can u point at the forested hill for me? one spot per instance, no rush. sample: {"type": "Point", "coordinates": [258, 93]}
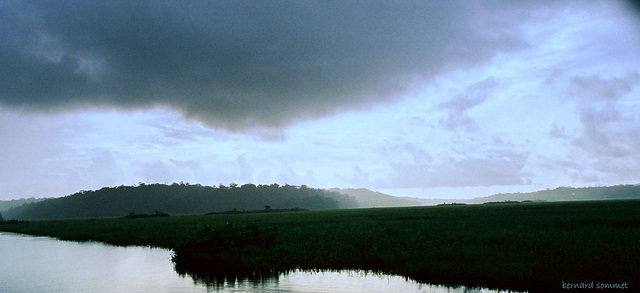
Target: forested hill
{"type": "Point", "coordinates": [7, 204]}
{"type": "Point", "coordinates": [179, 199]}
{"type": "Point", "coordinates": [369, 199]}
{"type": "Point", "coordinates": [568, 194]}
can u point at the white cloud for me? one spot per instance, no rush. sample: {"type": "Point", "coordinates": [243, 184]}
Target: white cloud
{"type": "Point", "coordinates": [104, 170]}
{"type": "Point", "coordinates": [457, 117]}
{"type": "Point", "coordinates": [609, 128]}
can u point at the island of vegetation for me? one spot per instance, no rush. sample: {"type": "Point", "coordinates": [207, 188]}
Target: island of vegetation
{"type": "Point", "coordinates": [156, 214]}
{"type": "Point", "coordinates": [532, 246]}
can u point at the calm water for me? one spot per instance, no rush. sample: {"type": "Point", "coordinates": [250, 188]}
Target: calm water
{"type": "Point", "coordinates": [42, 264]}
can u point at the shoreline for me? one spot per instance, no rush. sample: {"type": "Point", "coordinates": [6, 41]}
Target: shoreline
{"type": "Point", "coordinates": [527, 246]}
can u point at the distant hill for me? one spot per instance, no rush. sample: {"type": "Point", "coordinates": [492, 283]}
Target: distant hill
{"type": "Point", "coordinates": [7, 204]}
{"type": "Point", "coordinates": [567, 194]}
{"type": "Point", "coordinates": [179, 199]}
{"type": "Point", "coordinates": [368, 199]}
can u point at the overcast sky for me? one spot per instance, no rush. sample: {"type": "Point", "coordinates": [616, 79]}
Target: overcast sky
{"type": "Point", "coordinates": [435, 99]}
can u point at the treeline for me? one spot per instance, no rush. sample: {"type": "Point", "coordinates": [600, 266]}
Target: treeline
{"type": "Point", "coordinates": [178, 199]}
{"type": "Point", "coordinates": [568, 194]}
{"type": "Point", "coordinates": [369, 199]}
{"type": "Point", "coordinates": [7, 204]}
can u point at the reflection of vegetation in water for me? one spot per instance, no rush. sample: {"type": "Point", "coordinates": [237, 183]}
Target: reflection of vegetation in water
{"type": "Point", "coordinates": [220, 281]}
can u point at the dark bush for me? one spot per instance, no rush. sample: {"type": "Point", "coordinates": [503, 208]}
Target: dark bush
{"type": "Point", "coordinates": [227, 250]}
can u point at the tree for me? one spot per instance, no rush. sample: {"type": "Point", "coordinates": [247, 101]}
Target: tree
{"type": "Point", "coordinates": [179, 199]}
{"type": "Point", "coordinates": [1, 219]}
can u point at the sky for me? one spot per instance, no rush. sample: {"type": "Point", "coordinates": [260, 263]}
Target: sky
{"type": "Point", "coordinates": [432, 99]}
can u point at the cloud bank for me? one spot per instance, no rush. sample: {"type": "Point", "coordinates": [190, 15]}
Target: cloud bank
{"type": "Point", "coordinates": [239, 65]}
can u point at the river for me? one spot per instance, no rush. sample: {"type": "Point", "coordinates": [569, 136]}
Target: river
{"type": "Point", "coordinates": [43, 264]}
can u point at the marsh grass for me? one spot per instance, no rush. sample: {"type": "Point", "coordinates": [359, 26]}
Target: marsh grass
{"type": "Point", "coordinates": [526, 246]}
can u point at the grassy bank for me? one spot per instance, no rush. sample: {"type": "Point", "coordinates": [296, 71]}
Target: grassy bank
{"type": "Point", "coordinates": [527, 246]}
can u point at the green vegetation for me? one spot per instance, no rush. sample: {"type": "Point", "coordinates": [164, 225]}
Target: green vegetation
{"type": "Point", "coordinates": [267, 209]}
{"type": "Point", "coordinates": [525, 246]}
{"type": "Point", "coordinates": [452, 204]}
{"type": "Point", "coordinates": [179, 199]}
{"type": "Point", "coordinates": [156, 214]}
{"type": "Point", "coordinates": [228, 250]}
{"type": "Point", "coordinates": [568, 194]}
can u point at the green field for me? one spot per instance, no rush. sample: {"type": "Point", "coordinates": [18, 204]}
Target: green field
{"type": "Point", "coordinates": [526, 246]}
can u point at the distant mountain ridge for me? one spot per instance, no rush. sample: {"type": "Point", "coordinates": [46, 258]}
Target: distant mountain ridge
{"type": "Point", "coordinates": [179, 199]}
{"type": "Point", "coordinates": [7, 204]}
{"type": "Point", "coordinates": [368, 199]}
{"type": "Point", "coordinates": [196, 199]}
{"type": "Point", "coordinates": [566, 194]}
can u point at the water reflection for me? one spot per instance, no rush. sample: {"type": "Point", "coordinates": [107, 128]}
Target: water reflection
{"type": "Point", "coordinates": [42, 264]}
{"type": "Point", "coordinates": [218, 280]}
{"type": "Point", "coordinates": [326, 281]}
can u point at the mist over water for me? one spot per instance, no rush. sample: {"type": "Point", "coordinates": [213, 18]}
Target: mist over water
{"type": "Point", "coordinates": [43, 264]}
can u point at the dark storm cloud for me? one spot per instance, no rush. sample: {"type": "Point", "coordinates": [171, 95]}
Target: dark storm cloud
{"type": "Point", "coordinates": [240, 64]}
